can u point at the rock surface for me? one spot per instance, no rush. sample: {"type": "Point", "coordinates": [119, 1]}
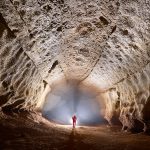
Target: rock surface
{"type": "Point", "coordinates": [99, 43]}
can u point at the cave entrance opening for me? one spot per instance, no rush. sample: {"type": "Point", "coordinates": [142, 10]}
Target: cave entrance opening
{"type": "Point", "coordinates": [67, 100]}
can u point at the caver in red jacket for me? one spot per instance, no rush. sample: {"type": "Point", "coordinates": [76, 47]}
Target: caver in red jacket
{"type": "Point", "coordinates": [74, 119]}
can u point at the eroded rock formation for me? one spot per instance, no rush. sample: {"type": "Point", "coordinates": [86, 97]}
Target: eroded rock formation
{"type": "Point", "coordinates": [99, 43]}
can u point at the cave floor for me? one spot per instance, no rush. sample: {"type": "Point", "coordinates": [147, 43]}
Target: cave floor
{"type": "Point", "coordinates": [34, 133]}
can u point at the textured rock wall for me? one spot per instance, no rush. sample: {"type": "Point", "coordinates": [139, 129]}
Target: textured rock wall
{"type": "Point", "coordinates": [126, 51]}
{"type": "Point", "coordinates": [111, 106]}
{"type": "Point", "coordinates": [20, 82]}
{"type": "Point", "coordinates": [129, 101]}
{"type": "Point", "coordinates": [31, 21]}
{"type": "Point", "coordinates": [101, 43]}
{"type": "Point", "coordinates": [135, 99]}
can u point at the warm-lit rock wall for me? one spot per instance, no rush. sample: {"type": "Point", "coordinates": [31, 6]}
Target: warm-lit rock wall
{"type": "Point", "coordinates": [20, 82]}
{"type": "Point", "coordinates": [135, 98]}
{"type": "Point", "coordinates": [101, 43]}
{"type": "Point", "coordinates": [129, 101]}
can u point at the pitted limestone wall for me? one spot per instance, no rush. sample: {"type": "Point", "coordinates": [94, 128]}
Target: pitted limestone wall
{"type": "Point", "coordinates": [104, 43]}
{"type": "Point", "coordinates": [129, 100]}
{"type": "Point", "coordinates": [134, 98]}
{"type": "Point", "coordinates": [20, 82]}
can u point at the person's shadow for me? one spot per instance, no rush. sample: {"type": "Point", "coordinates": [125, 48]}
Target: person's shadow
{"type": "Point", "coordinates": [75, 141]}
{"type": "Point", "coordinates": [71, 141]}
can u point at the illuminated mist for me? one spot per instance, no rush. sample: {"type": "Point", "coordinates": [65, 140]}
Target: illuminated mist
{"type": "Point", "coordinates": [65, 101]}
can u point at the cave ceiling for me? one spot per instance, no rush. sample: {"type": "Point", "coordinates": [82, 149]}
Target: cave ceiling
{"type": "Point", "coordinates": [100, 43]}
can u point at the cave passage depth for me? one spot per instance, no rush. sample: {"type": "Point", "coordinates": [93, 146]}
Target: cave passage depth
{"type": "Point", "coordinates": [89, 58]}
{"type": "Point", "coordinates": [66, 100]}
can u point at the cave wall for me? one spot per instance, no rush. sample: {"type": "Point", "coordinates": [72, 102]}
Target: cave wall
{"type": "Point", "coordinates": [99, 43]}
{"type": "Point", "coordinates": [20, 82]}
{"type": "Point", "coordinates": [129, 101]}
{"type": "Point", "coordinates": [126, 51]}
{"type": "Point", "coordinates": [134, 96]}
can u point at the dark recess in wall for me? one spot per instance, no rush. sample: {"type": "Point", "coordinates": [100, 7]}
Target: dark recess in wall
{"type": "Point", "coordinates": [4, 25]}
{"type": "Point", "coordinates": [53, 66]}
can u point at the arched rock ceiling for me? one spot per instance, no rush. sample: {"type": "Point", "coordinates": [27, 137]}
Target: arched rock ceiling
{"type": "Point", "coordinates": [96, 41]}
{"type": "Point", "coordinates": [103, 43]}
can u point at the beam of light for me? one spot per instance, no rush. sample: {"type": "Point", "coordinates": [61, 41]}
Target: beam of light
{"type": "Point", "coordinates": [63, 102]}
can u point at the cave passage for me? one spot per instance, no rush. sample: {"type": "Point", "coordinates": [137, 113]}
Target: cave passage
{"type": "Point", "coordinates": [65, 101]}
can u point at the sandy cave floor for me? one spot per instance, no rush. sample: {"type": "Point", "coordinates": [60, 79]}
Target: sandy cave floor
{"type": "Point", "coordinates": [19, 133]}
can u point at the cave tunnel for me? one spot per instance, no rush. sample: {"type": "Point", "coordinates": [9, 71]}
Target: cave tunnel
{"type": "Point", "coordinates": [70, 99]}
{"type": "Point", "coordinates": [60, 58]}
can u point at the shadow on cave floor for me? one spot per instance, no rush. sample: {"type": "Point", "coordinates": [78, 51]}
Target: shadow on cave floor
{"type": "Point", "coordinates": [32, 132]}
{"type": "Point", "coordinates": [75, 142]}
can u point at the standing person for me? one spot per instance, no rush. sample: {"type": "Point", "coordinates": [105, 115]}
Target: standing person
{"type": "Point", "coordinates": [74, 119]}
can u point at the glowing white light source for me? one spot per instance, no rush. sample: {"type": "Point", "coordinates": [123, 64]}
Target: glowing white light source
{"type": "Point", "coordinates": [70, 121]}
{"type": "Point", "coordinates": [65, 101]}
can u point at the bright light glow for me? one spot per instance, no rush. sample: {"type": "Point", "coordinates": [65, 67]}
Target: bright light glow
{"type": "Point", "coordinates": [71, 122]}
{"type": "Point", "coordinates": [65, 101]}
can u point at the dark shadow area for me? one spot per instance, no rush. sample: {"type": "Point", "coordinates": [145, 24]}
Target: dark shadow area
{"type": "Point", "coordinates": [53, 66]}
{"type": "Point", "coordinates": [138, 127]}
{"type": "Point", "coordinates": [75, 141]}
{"type": "Point", "coordinates": [70, 143]}
{"type": "Point", "coordinates": [139, 124]}
{"type": "Point", "coordinates": [146, 111]}
{"type": "Point", "coordinates": [115, 119]}
{"type": "Point", "coordinates": [146, 115]}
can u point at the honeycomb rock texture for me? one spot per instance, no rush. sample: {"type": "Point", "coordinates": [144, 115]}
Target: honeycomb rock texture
{"type": "Point", "coordinates": [100, 43]}
{"type": "Point", "coordinates": [20, 84]}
